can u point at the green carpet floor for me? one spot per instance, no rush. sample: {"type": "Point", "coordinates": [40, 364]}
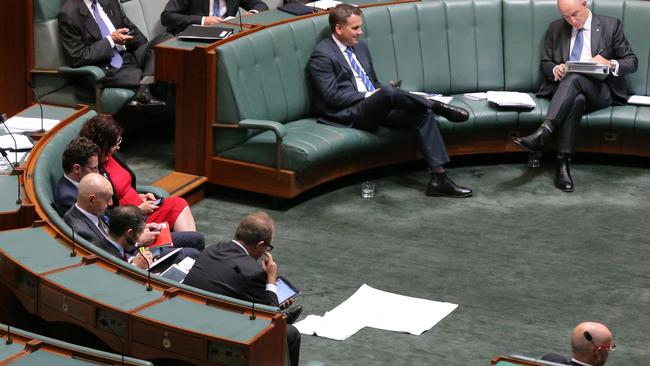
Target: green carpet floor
{"type": "Point", "coordinates": [524, 261]}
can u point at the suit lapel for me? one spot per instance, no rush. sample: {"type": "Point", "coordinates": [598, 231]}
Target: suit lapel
{"type": "Point", "coordinates": [89, 20]}
{"type": "Point", "coordinates": [340, 57]}
{"type": "Point", "coordinates": [596, 35]}
{"type": "Point", "coordinates": [206, 7]}
{"type": "Point", "coordinates": [566, 41]}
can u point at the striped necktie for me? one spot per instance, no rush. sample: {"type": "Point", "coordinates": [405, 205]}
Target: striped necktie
{"type": "Point", "coordinates": [359, 70]}
{"type": "Point", "coordinates": [116, 59]}
{"type": "Point", "coordinates": [217, 8]}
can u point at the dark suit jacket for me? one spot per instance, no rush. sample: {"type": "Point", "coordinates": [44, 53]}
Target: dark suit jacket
{"type": "Point", "coordinates": [226, 269]}
{"type": "Point", "coordinates": [180, 14]}
{"type": "Point", "coordinates": [554, 357]}
{"type": "Point", "coordinates": [81, 38]}
{"type": "Point", "coordinates": [606, 35]}
{"type": "Point", "coordinates": [65, 195]}
{"type": "Point", "coordinates": [86, 229]}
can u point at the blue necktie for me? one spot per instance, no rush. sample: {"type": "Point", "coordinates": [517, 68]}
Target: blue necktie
{"type": "Point", "coordinates": [577, 47]}
{"type": "Point", "coordinates": [116, 59]}
{"type": "Point", "coordinates": [357, 68]}
{"type": "Point", "coordinates": [217, 8]}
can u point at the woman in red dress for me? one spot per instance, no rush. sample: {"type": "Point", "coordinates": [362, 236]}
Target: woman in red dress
{"type": "Point", "coordinates": [107, 134]}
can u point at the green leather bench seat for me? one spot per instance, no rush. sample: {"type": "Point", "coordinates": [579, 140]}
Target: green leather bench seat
{"type": "Point", "coordinates": [449, 47]}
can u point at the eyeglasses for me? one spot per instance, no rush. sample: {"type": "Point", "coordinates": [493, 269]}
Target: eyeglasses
{"type": "Point", "coordinates": [269, 247]}
{"type": "Point", "coordinates": [609, 347]}
{"type": "Point", "coordinates": [93, 169]}
{"type": "Point", "coordinates": [117, 144]}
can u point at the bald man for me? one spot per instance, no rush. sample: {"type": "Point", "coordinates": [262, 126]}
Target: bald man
{"type": "Point", "coordinates": [87, 217]}
{"type": "Point", "coordinates": [579, 36]}
{"type": "Point", "coordinates": [591, 344]}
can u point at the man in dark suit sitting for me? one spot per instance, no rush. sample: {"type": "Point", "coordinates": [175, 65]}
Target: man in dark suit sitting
{"type": "Point", "coordinates": [591, 344]}
{"type": "Point", "coordinates": [98, 33]}
{"type": "Point", "coordinates": [87, 217]}
{"type": "Point", "coordinates": [80, 157]}
{"type": "Point", "coordinates": [243, 268]}
{"type": "Point", "coordinates": [580, 36]}
{"type": "Point", "coordinates": [180, 14]}
{"type": "Point", "coordinates": [348, 94]}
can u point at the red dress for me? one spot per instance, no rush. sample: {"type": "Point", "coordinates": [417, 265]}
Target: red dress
{"type": "Point", "coordinates": [169, 210]}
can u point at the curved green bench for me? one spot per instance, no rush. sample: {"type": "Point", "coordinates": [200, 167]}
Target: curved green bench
{"type": "Point", "coordinates": [267, 140]}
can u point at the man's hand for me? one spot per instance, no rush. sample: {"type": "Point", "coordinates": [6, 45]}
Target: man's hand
{"type": "Point", "coordinates": [601, 60]}
{"type": "Point", "coordinates": [212, 20]}
{"type": "Point", "coordinates": [271, 269]}
{"type": "Point", "coordinates": [558, 72]}
{"type": "Point", "coordinates": [286, 304]}
{"type": "Point", "coordinates": [147, 207]}
{"type": "Point", "coordinates": [120, 36]}
{"type": "Point", "coordinates": [148, 236]}
{"type": "Point", "coordinates": [147, 196]}
{"type": "Point", "coordinates": [143, 261]}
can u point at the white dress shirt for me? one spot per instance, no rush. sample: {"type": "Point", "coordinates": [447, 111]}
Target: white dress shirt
{"type": "Point", "coordinates": [357, 78]}
{"type": "Point", "coordinates": [109, 24]}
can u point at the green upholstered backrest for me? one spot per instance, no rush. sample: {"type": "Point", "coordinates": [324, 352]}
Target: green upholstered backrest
{"type": "Point", "coordinates": [46, 9]}
{"type": "Point", "coordinates": [145, 14]}
{"type": "Point", "coordinates": [449, 46]}
{"type": "Point", "coordinates": [635, 16]}
{"type": "Point", "coordinates": [262, 76]}
{"type": "Point", "coordinates": [524, 27]}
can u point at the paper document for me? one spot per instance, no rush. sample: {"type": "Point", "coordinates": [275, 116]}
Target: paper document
{"type": "Point", "coordinates": [475, 96]}
{"type": "Point", "coordinates": [18, 124]}
{"type": "Point", "coordinates": [369, 307]}
{"type": "Point", "coordinates": [639, 99]}
{"type": "Point", "coordinates": [17, 157]}
{"type": "Point", "coordinates": [511, 99]}
{"type": "Point", "coordinates": [439, 97]}
{"type": "Point", "coordinates": [324, 4]}
{"type": "Point", "coordinates": [22, 142]}
{"type": "Point", "coordinates": [589, 68]}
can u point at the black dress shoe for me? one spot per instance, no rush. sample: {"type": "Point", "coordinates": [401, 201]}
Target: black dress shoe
{"type": "Point", "coordinates": [453, 114]}
{"type": "Point", "coordinates": [563, 178]}
{"type": "Point", "coordinates": [535, 141]}
{"type": "Point", "coordinates": [293, 313]}
{"type": "Point", "coordinates": [441, 185]}
{"type": "Point", "coordinates": [144, 98]}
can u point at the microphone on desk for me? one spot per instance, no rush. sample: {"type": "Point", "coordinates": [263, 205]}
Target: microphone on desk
{"type": "Point", "coordinates": [149, 288]}
{"type": "Point", "coordinates": [241, 277]}
{"type": "Point", "coordinates": [3, 119]}
{"type": "Point", "coordinates": [241, 28]}
{"type": "Point", "coordinates": [74, 249]}
{"type": "Point", "coordinates": [38, 101]}
{"type": "Point", "coordinates": [9, 341]}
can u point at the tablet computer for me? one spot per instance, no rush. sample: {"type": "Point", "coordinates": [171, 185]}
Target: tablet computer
{"type": "Point", "coordinates": [286, 290]}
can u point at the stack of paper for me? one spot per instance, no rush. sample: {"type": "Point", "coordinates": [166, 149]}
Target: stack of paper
{"type": "Point", "coordinates": [511, 99]}
{"type": "Point", "coordinates": [22, 142]}
{"type": "Point", "coordinates": [639, 99]}
{"type": "Point", "coordinates": [475, 96]}
{"type": "Point", "coordinates": [18, 124]}
{"type": "Point", "coordinates": [369, 307]}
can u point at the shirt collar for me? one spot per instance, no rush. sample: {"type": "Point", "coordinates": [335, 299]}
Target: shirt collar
{"type": "Point", "coordinates": [580, 362]}
{"type": "Point", "coordinates": [76, 184]}
{"type": "Point", "coordinates": [341, 46]}
{"type": "Point", "coordinates": [92, 217]}
{"type": "Point", "coordinates": [241, 246]}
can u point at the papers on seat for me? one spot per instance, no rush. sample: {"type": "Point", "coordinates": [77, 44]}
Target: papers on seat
{"type": "Point", "coordinates": [439, 97]}
{"type": "Point", "coordinates": [324, 4]}
{"type": "Point", "coordinates": [476, 96]}
{"type": "Point", "coordinates": [639, 99]}
{"type": "Point", "coordinates": [589, 68]}
{"type": "Point", "coordinates": [17, 124]}
{"type": "Point", "coordinates": [22, 142]}
{"type": "Point", "coordinates": [369, 307]}
{"type": "Point", "coordinates": [510, 99]}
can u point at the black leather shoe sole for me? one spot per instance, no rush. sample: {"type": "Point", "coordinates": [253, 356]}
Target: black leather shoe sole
{"type": "Point", "coordinates": [523, 145]}
{"type": "Point", "coordinates": [433, 193]}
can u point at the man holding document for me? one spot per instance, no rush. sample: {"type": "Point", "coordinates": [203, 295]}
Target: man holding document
{"type": "Point", "coordinates": [580, 36]}
{"type": "Point", "coordinates": [348, 94]}
{"type": "Point", "coordinates": [180, 14]}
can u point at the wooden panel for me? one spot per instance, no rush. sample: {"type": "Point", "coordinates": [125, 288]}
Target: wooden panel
{"type": "Point", "coordinates": [15, 54]}
{"type": "Point", "coordinates": [52, 300]}
{"type": "Point", "coordinates": [152, 335]}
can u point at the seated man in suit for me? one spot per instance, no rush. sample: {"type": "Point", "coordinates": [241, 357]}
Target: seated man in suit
{"type": "Point", "coordinates": [591, 344]}
{"type": "Point", "coordinates": [348, 94]}
{"type": "Point", "coordinates": [87, 217]}
{"type": "Point", "coordinates": [243, 268]}
{"type": "Point", "coordinates": [580, 36]}
{"type": "Point", "coordinates": [80, 157]}
{"type": "Point", "coordinates": [180, 14]}
{"type": "Point", "coordinates": [125, 227]}
{"type": "Point", "coordinates": [98, 33]}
